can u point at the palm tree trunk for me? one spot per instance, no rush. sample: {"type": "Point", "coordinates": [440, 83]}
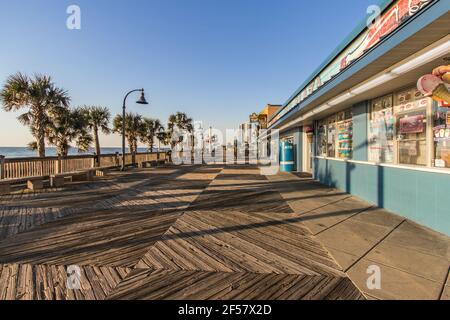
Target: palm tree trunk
{"type": "Point", "coordinates": [97, 142]}
{"type": "Point", "coordinates": [152, 142]}
{"type": "Point", "coordinates": [41, 142]}
{"type": "Point", "coordinates": [130, 147]}
{"type": "Point", "coordinates": [66, 151]}
{"type": "Point", "coordinates": [132, 143]}
{"type": "Point", "coordinates": [60, 150]}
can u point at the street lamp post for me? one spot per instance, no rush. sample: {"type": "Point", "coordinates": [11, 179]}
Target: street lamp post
{"type": "Point", "coordinates": [202, 137]}
{"type": "Point", "coordinates": [161, 134]}
{"type": "Point", "coordinates": [210, 139]}
{"type": "Point", "coordinates": [141, 100]}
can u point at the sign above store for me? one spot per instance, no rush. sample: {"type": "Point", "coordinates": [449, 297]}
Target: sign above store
{"type": "Point", "coordinates": [309, 129]}
{"type": "Point", "coordinates": [254, 118]}
{"type": "Point", "coordinates": [389, 21]}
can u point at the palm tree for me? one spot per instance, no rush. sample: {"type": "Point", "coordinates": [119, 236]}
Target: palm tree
{"type": "Point", "coordinates": [69, 126]}
{"type": "Point", "coordinates": [42, 99]}
{"type": "Point", "coordinates": [181, 122]}
{"type": "Point", "coordinates": [162, 136]}
{"type": "Point", "coordinates": [149, 129]}
{"type": "Point", "coordinates": [171, 127]}
{"type": "Point", "coordinates": [97, 120]}
{"type": "Point", "coordinates": [177, 125]}
{"type": "Point", "coordinates": [133, 128]}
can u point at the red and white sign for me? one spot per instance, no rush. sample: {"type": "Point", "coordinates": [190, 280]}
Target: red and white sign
{"type": "Point", "coordinates": [389, 21]}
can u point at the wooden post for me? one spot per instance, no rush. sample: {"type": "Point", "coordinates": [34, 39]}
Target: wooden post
{"type": "Point", "coordinates": [94, 162]}
{"type": "Point", "coordinates": [181, 155]}
{"type": "Point", "coordinates": [2, 167]}
{"type": "Point", "coordinates": [235, 151]}
{"type": "Point", "coordinates": [133, 158]}
{"type": "Point", "coordinates": [192, 138]}
{"type": "Point", "coordinates": [247, 153]}
{"type": "Point", "coordinates": [117, 160]}
{"type": "Point", "coordinates": [41, 162]}
{"type": "Point", "coordinates": [58, 167]}
{"type": "Point", "coordinates": [224, 154]}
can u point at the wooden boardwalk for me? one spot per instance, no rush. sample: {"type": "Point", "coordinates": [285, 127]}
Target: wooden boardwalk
{"type": "Point", "coordinates": [168, 233]}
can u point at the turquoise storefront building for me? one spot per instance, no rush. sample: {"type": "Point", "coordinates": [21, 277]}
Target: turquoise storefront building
{"type": "Point", "coordinates": [360, 122]}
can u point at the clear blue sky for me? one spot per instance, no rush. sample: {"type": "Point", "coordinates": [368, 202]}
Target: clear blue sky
{"type": "Point", "coordinates": [217, 60]}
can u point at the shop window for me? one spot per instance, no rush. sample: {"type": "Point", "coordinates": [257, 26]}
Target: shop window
{"type": "Point", "coordinates": [335, 136]}
{"type": "Point", "coordinates": [381, 130]}
{"type": "Point", "coordinates": [331, 137]}
{"type": "Point", "coordinates": [410, 108]}
{"type": "Point", "coordinates": [322, 139]}
{"type": "Point", "coordinates": [344, 127]}
{"type": "Point", "coordinates": [441, 134]}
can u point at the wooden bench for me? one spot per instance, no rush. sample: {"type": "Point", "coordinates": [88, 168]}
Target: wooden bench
{"type": "Point", "coordinates": [5, 187]}
{"type": "Point", "coordinates": [146, 164]}
{"type": "Point", "coordinates": [33, 183]}
{"type": "Point", "coordinates": [58, 180]}
{"type": "Point", "coordinates": [102, 172]}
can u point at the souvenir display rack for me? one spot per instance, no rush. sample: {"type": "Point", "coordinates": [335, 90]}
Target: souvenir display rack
{"type": "Point", "coordinates": [344, 135]}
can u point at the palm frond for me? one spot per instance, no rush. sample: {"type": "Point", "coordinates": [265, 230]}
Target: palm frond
{"type": "Point", "coordinates": [25, 118]}
{"type": "Point", "coordinates": [32, 146]}
{"type": "Point", "coordinates": [15, 93]}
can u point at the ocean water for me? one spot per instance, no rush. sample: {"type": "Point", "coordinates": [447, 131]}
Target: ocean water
{"type": "Point", "coordinates": [23, 152]}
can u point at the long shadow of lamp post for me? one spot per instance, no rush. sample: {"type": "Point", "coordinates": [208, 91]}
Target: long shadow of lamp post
{"type": "Point", "coordinates": [141, 100]}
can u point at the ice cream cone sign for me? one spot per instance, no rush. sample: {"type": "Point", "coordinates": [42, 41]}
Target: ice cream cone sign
{"type": "Point", "coordinates": [436, 85]}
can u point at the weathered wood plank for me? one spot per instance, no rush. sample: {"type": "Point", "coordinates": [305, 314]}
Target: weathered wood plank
{"type": "Point", "coordinates": [245, 243]}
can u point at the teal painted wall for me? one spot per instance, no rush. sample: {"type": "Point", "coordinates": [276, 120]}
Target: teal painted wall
{"type": "Point", "coordinates": [417, 195]}
{"type": "Point", "coordinates": [360, 135]}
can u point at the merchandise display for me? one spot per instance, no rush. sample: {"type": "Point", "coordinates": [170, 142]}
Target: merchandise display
{"type": "Point", "coordinates": [345, 135]}
{"type": "Point", "coordinates": [381, 130]}
{"type": "Point", "coordinates": [441, 135]}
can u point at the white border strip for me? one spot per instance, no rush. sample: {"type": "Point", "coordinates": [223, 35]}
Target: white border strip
{"type": "Point", "coordinates": [413, 168]}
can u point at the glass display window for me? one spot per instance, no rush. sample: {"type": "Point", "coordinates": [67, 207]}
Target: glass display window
{"type": "Point", "coordinates": [344, 126]}
{"type": "Point", "coordinates": [381, 130]}
{"type": "Point", "coordinates": [404, 128]}
{"type": "Point", "coordinates": [322, 139]}
{"type": "Point", "coordinates": [410, 108]}
{"type": "Point", "coordinates": [441, 137]}
{"type": "Point", "coordinates": [335, 136]}
{"type": "Point", "coordinates": [331, 137]}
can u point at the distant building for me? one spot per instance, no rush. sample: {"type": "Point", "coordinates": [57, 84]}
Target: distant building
{"type": "Point", "coordinates": [267, 114]}
{"type": "Point", "coordinates": [249, 131]}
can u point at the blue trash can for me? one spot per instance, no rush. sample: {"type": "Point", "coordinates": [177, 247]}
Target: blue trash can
{"type": "Point", "coordinates": [287, 161]}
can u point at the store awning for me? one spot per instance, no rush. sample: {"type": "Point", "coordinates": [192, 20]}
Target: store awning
{"type": "Point", "coordinates": [421, 31]}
